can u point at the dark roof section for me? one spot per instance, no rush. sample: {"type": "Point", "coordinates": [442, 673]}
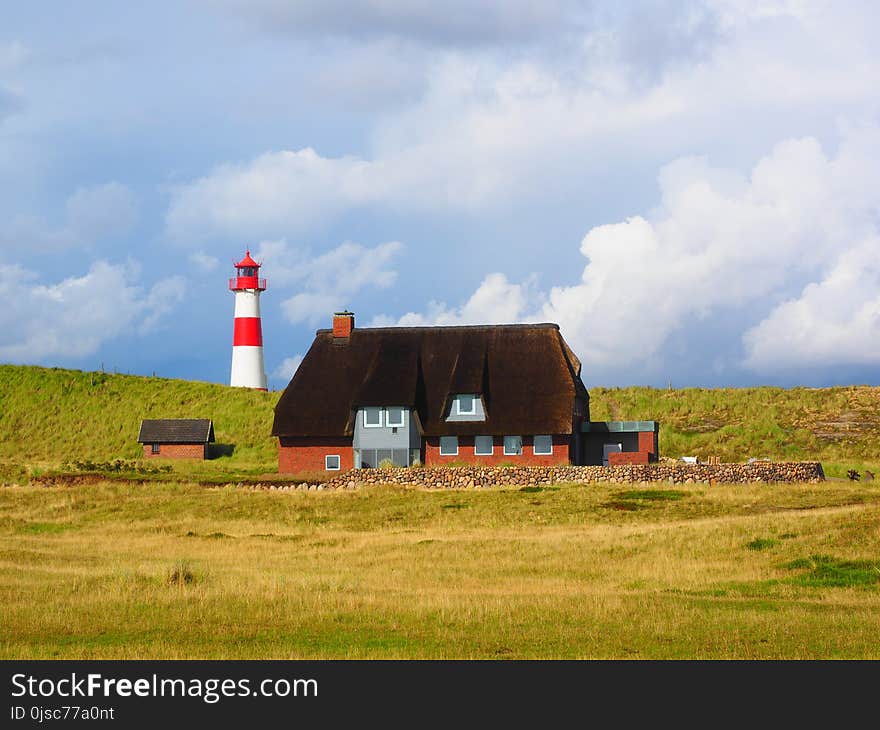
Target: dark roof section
{"type": "Point", "coordinates": [527, 375]}
{"type": "Point", "coordinates": [176, 431]}
{"type": "Point", "coordinates": [390, 378]}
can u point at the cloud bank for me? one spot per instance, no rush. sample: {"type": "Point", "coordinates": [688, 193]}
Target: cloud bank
{"type": "Point", "coordinates": [75, 316]}
{"type": "Point", "coordinates": [330, 281]}
{"type": "Point", "coordinates": [801, 221]}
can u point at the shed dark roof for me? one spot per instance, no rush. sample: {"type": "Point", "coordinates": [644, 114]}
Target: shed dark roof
{"type": "Point", "coordinates": [527, 375]}
{"type": "Point", "coordinates": [176, 431]}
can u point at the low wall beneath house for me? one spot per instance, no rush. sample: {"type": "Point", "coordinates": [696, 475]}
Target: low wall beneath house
{"type": "Point", "coordinates": [476, 477]}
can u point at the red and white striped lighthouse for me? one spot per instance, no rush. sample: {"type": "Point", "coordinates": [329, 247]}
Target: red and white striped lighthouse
{"type": "Point", "coordinates": [248, 370]}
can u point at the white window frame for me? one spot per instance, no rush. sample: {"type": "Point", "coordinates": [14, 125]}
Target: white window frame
{"type": "Point", "coordinates": [448, 453]}
{"type": "Point", "coordinates": [338, 466]}
{"type": "Point", "coordinates": [542, 453]}
{"type": "Point", "coordinates": [513, 453]}
{"type": "Point", "coordinates": [491, 450]}
{"type": "Point", "coordinates": [402, 418]}
{"type": "Point", "coordinates": [373, 425]}
{"type": "Point", "coordinates": [458, 409]}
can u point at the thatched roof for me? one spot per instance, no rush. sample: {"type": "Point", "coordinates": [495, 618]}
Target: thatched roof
{"type": "Point", "coordinates": [527, 375]}
{"type": "Point", "coordinates": [176, 431]}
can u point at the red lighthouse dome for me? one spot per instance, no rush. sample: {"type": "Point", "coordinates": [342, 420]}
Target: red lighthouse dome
{"type": "Point", "coordinates": [248, 275]}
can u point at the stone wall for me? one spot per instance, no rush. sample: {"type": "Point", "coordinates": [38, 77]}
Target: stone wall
{"type": "Point", "coordinates": [475, 477]}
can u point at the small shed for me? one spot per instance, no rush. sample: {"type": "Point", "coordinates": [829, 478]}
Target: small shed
{"type": "Point", "coordinates": [612, 443]}
{"type": "Point", "coordinates": [176, 438]}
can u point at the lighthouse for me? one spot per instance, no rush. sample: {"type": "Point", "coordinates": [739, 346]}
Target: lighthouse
{"type": "Point", "coordinates": [248, 370]}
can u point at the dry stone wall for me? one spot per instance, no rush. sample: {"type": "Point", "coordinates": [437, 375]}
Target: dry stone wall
{"type": "Point", "coordinates": [475, 477]}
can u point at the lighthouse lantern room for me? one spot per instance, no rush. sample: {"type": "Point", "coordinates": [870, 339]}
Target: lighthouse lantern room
{"type": "Point", "coordinates": [248, 369]}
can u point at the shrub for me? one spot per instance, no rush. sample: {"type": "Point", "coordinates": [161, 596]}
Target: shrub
{"type": "Point", "coordinates": [827, 571]}
{"type": "Point", "coordinates": [761, 543]}
{"type": "Point", "coordinates": [181, 575]}
{"type": "Point", "coordinates": [117, 466]}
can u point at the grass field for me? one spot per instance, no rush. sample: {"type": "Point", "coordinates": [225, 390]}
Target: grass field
{"type": "Point", "coordinates": [577, 571]}
{"type": "Point", "coordinates": [172, 569]}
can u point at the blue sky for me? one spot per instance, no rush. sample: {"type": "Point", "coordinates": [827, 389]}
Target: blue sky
{"type": "Point", "coordinates": [690, 189]}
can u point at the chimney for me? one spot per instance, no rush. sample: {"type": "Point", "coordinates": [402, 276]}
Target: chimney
{"type": "Point", "coordinates": [343, 323]}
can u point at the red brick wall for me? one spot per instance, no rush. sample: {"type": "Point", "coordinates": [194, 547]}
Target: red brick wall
{"type": "Point", "coordinates": [307, 454]}
{"type": "Point", "coordinates": [176, 451]}
{"type": "Point", "coordinates": [466, 452]}
{"type": "Point", "coordinates": [648, 442]}
{"type": "Point", "coordinates": [628, 457]}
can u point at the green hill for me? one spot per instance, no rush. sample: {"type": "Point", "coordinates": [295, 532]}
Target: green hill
{"type": "Point", "coordinates": [839, 426]}
{"type": "Point", "coordinates": [51, 416]}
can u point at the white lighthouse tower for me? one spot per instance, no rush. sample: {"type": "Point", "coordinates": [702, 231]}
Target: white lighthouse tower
{"type": "Point", "coordinates": [248, 370]}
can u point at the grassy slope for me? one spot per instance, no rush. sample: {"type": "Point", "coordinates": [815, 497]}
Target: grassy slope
{"type": "Point", "coordinates": [52, 416]}
{"type": "Point", "coordinates": [573, 571]}
{"type": "Point", "coordinates": [838, 426]}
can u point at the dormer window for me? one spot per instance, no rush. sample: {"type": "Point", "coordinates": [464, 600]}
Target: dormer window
{"type": "Point", "coordinates": [466, 407]}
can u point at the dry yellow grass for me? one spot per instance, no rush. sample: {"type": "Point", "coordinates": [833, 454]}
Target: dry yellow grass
{"type": "Point", "coordinates": [569, 572]}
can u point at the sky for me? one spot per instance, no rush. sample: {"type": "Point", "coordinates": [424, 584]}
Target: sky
{"type": "Point", "coordinates": [691, 190]}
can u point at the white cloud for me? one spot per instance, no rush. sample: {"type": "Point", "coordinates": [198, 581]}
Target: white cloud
{"type": "Point", "coordinates": [723, 242]}
{"type": "Point", "coordinates": [490, 130]}
{"type": "Point", "coordinates": [92, 214]}
{"type": "Point", "coordinates": [288, 367]}
{"type": "Point", "coordinates": [496, 301]}
{"type": "Point", "coordinates": [73, 317]}
{"type": "Point", "coordinates": [276, 193]}
{"type": "Point", "coordinates": [330, 281]}
{"type": "Point", "coordinates": [834, 321]}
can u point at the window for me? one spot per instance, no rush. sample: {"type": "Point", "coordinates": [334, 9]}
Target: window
{"type": "Point", "coordinates": [155, 449]}
{"type": "Point", "coordinates": [543, 445]}
{"type": "Point", "coordinates": [394, 416]}
{"type": "Point", "coordinates": [483, 445]}
{"type": "Point", "coordinates": [449, 446]}
{"type": "Point", "coordinates": [331, 462]}
{"type": "Point", "coordinates": [372, 417]}
{"type": "Point", "coordinates": [466, 405]}
{"type": "Point", "coordinates": [513, 445]}
{"type": "Point", "coordinates": [372, 458]}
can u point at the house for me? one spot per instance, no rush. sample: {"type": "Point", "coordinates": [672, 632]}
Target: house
{"type": "Point", "coordinates": [176, 438]}
{"type": "Point", "coordinates": [435, 395]}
